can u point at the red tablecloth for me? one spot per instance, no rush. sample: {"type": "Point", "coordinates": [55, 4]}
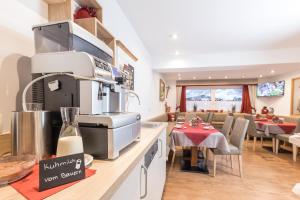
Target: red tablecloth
{"type": "Point", "coordinates": [196, 134]}
{"type": "Point", "coordinates": [286, 127]}
{"type": "Point", "coordinates": [28, 186]}
{"type": "Point", "coordinates": [261, 119]}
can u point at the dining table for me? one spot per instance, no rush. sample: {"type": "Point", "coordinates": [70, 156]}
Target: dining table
{"type": "Point", "coordinates": [195, 137]}
{"type": "Point", "coordinates": [269, 127]}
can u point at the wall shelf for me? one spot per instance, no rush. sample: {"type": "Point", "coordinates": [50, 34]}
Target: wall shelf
{"type": "Point", "coordinates": [122, 46]}
{"type": "Point", "coordinates": [94, 26]}
{"type": "Point", "coordinates": [93, 4]}
{"type": "Point", "coordinates": [59, 10]}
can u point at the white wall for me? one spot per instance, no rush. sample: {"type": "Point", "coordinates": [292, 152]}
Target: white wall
{"type": "Point", "coordinates": [16, 39]}
{"type": "Point", "coordinates": [146, 80]}
{"type": "Point", "coordinates": [17, 46]}
{"type": "Point", "coordinates": [280, 104]}
{"type": "Point", "coordinates": [171, 100]}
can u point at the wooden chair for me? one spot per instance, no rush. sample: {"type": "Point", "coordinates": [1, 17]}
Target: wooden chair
{"type": "Point", "coordinates": [252, 132]}
{"type": "Point", "coordinates": [227, 127]}
{"type": "Point", "coordinates": [235, 145]}
{"type": "Point", "coordinates": [285, 138]}
{"type": "Point", "coordinates": [177, 148]}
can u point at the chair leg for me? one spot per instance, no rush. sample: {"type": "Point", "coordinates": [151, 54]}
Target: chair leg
{"type": "Point", "coordinates": [215, 165]}
{"type": "Point", "coordinates": [206, 155]}
{"type": "Point", "coordinates": [247, 141]}
{"type": "Point", "coordinates": [277, 146]}
{"type": "Point", "coordinates": [231, 161]}
{"type": "Point", "coordinates": [173, 159]}
{"type": "Point", "coordinates": [274, 145]}
{"type": "Point", "coordinates": [241, 165]}
{"type": "Point", "coordinates": [295, 152]}
{"type": "Point", "coordinates": [254, 143]}
{"type": "Point", "coordinates": [261, 141]}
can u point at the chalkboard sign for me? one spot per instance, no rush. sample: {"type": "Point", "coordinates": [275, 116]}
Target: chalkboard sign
{"type": "Point", "coordinates": [61, 170]}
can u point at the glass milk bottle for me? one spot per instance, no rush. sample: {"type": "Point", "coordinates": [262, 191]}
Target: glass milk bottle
{"type": "Point", "coordinates": [70, 140]}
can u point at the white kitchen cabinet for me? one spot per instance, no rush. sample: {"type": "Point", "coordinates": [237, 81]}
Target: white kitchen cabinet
{"type": "Point", "coordinates": [146, 183]}
{"type": "Point", "coordinates": [130, 188]}
{"type": "Point", "coordinates": [156, 172]}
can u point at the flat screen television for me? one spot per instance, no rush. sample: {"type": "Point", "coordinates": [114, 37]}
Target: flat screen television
{"type": "Point", "coordinates": [271, 89]}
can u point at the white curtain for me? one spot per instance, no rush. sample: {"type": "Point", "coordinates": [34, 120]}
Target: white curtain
{"type": "Point", "coordinates": [178, 96]}
{"type": "Point", "coordinates": [252, 95]}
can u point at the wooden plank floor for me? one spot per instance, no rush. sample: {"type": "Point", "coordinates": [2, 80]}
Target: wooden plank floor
{"type": "Point", "coordinates": [266, 177]}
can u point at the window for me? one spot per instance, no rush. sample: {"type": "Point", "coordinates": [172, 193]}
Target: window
{"type": "Point", "coordinates": [214, 97]}
{"type": "Point", "coordinates": [198, 95]}
{"type": "Point", "coordinates": [231, 94]}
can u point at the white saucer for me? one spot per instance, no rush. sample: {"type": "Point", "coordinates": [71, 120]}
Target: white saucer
{"type": "Point", "coordinates": [207, 127]}
{"type": "Point", "coordinates": [178, 126]}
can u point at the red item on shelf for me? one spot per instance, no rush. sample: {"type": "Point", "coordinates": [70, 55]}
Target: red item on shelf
{"type": "Point", "coordinates": [28, 186]}
{"type": "Point", "coordinates": [85, 12]}
{"type": "Point", "coordinates": [264, 110]}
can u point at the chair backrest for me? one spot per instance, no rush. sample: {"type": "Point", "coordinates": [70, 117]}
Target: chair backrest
{"type": "Point", "coordinates": [252, 127]}
{"type": "Point", "coordinates": [219, 117]}
{"type": "Point", "coordinates": [227, 126]}
{"type": "Point", "coordinates": [210, 116]}
{"type": "Point", "coordinates": [203, 115]}
{"type": "Point", "coordinates": [238, 133]}
{"type": "Point", "coordinates": [189, 116]}
{"type": "Point", "coordinates": [237, 115]}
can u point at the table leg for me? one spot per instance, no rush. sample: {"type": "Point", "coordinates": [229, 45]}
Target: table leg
{"type": "Point", "coordinates": [196, 163]}
{"type": "Point", "coordinates": [295, 152]}
{"type": "Point", "coordinates": [194, 156]}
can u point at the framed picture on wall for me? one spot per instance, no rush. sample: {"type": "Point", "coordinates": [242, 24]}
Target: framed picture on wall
{"type": "Point", "coordinates": [162, 90]}
{"type": "Point", "coordinates": [129, 76]}
{"type": "Point", "coordinates": [295, 97]}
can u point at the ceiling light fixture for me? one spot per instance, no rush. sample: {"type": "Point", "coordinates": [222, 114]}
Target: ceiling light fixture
{"type": "Point", "coordinates": [179, 74]}
{"type": "Point", "coordinates": [179, 78]}
{"type": "Point", "coordinates": [174, 36]}
{"type": "Point", "coordinates": [176, 53]}
{"type": "Point", "coordinates": [194, 77]}
{"type": "Point", "coordinates": [209, 77]}
{"type": "Point", "coordinates": [243, 76]}
{"type": "Point", "coordinates": [260, 76]}
{"type": "Point", "coordinates": [272, 71]}
{"type": "Point", "coordinates": [226, 77]}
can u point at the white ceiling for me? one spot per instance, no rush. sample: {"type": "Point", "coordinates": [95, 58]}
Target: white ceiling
{"type": "Point", "coordinates": [206, 27]}
{"type": "Point", "coordinates": [243, 72]}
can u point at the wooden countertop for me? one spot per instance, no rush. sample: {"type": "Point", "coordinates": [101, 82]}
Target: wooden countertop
{"type": "Point", "coordinates": [109, 174]}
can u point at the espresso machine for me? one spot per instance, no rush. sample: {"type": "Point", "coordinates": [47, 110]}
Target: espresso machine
{"type": "Point", "coordinates": [78, 72]}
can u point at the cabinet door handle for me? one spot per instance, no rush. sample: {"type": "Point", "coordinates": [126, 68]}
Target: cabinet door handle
{"type": "Point", "coordinates": [161, 147]}
{"type": "Point", "coordinates": [143, 168]}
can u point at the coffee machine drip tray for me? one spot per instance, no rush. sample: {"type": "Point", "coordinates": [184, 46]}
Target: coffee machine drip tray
{"type": "Point", "coordinates": [111, 120]}
{"type": "Point", "coordinates": [105, 135]}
